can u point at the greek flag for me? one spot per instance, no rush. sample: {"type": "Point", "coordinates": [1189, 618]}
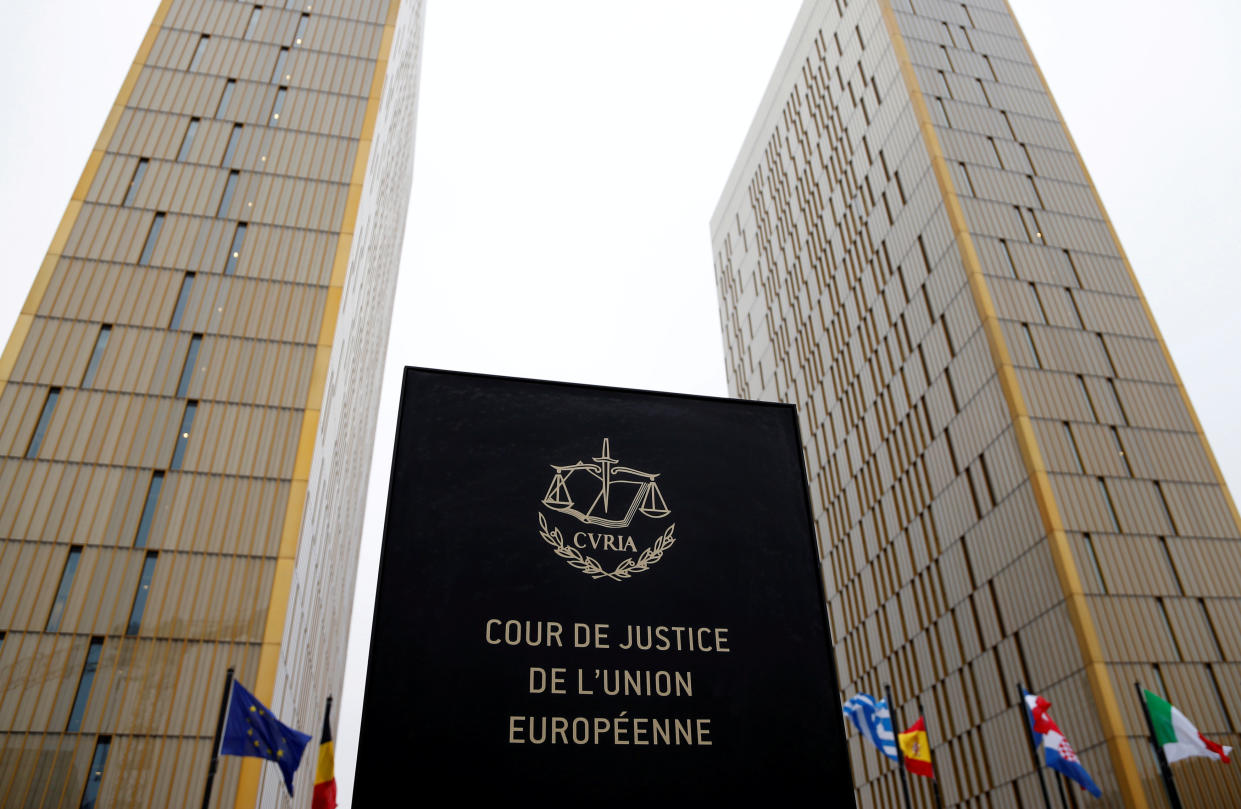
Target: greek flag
{"type": "Point", "coordinates": [872, 719]}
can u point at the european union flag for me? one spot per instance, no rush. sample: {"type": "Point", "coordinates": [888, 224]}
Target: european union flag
{"type": "Point", "coordinates": [251, 729]}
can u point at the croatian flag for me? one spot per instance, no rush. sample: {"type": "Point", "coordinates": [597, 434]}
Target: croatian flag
{"type": "Point", "coordinates": [872, 719]}
{"type": "Point", "coordinates": [1057, 752]}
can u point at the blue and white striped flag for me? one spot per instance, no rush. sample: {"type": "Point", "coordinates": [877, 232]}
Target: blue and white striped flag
{"type": "Point", "coordinates": [871, 717]}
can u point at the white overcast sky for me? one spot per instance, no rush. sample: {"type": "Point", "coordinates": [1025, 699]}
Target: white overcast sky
{"type": "Point", "coordinates": [569, 156]}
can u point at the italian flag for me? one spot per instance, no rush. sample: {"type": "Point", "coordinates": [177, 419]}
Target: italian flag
{"type": "Point", "coordinates": [1177, 735]}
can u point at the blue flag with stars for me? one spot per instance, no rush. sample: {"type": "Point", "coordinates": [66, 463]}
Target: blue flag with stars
{"type": "Point", "coordinates": [251, 729]}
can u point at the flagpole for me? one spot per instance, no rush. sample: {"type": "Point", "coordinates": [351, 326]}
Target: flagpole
{"type": "Point", "coordinates": [939, 796]}
{"type": "Point", "coordinates": [215, 743]}
{"type": "Point", "coordinates": [900, 754]}
{"type": "Point", "coordinates": [1166, 771]}
{"type": "Point", "coordinates": [1038, 765]}
{"type": "Point", "coordinates": [1064, 799]}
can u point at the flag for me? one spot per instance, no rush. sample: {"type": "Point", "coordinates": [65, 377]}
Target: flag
{"type": "Point", "coordinates": [325, 773]}
{"type": "Point", "coordinates": [1057, 752]}
{"type": "Point", "coordinates": [251, 729]}
{"type": "Point", "coordinates": [872, 719]}
{"type": "Point", "coordinates": [917, 750]}
{"type": "Point", "coordinates": [1177, 735]}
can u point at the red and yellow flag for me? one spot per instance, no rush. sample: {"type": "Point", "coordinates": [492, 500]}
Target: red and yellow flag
{"type": "Point", "coordinates": [325, 773]}
{"type": "Point", "coordinates": [916, 749]}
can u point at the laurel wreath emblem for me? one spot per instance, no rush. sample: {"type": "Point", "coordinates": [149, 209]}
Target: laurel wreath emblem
{"type": "Point", "coordinates": [588, 565]}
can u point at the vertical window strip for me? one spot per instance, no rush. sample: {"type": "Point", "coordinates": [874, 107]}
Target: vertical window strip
{"type": "Point", "coordinates": [62, 592]}
{"type": "Point", "coordinates": [301, 29]}
{"type": "Point", "coordinates": [1077, 454]}
{"type": "Point", "coordinates": [278, 104]}
{"type": "Point", "coordinates": [134, 182]}
{"type": "Point", "coordinates": [253, 25]}
{"type": "Point", "coordinates": [1167, 512]}
{"type": "Point", "coordinates": [84, 684]}
{"type": "Point", "coordinates": [278, 74]}
{"type": "Point", "coordinates": [183, 298]}
{"type": "Point", "coordinates": [1111, 507]}
{"type": "Point", "coordinates": [1081, 383]}
{"type": "Point", "coordinates": [96, 356]}
{"type": "Point", "coordinates": [188, 141]}
{"type": "Point", "coordinates": [1176, 574]}
{"type": "Point", "coordinates": [148, 510]}
{"type": "Point", "coordinates": [1120, 448]}
{"type": "Point", "coordinates": [1025, 329]}
{"type": "Point", "coordinates": [144, 590]}
{"type": "Point", "coordinates": [45, 418]}
{"type": "Point", "coordinates": [225, 96]}
{"type": "Point", "coordinates": [148, 248]}
{"type": "Point", "coordinates": [90, 793]}
{"type": "Point", "coordinates": [234, 251]}
{"type": "Point", "coordinates": [187, 370]}
{"type": "Point", "coordinates": [226, 198]}
{"type": "Point", "coordinates": [231, 148]}
{"type": "Point", "coordinates": [183, 436]}
{"type": "Point", "coordinates": [1160, 684]}
{"type": "Point", "coordinates": [1088, 542]}
{"type": "Point", "coordinates": [1111, 384]}
{"type": "Point", "coordinates": [1167, 624]}
{"type": "Point", "coordinates": [198, 52]}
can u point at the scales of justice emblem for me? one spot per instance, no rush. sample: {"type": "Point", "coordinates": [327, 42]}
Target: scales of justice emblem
{"type": "Point", "coordinates": [606, 498]}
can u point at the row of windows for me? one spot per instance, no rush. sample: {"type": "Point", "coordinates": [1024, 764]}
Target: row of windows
{"type": "Point", "coordinates": [255, 15]}
{"type": "Point", "coordinates": [138, 606]}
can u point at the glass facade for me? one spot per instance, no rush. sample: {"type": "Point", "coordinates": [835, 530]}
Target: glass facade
{"type": "Point", "coordinates": [1009, 483]}
{"type": "Point", "coordinates": [204, 424]}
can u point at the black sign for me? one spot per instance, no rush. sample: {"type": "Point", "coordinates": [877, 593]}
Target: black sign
{"type": "Point", "coordinates": [591, 597]}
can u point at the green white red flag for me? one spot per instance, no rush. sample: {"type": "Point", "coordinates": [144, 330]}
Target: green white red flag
{"type": "Point", "coordinates": [1177, 735]}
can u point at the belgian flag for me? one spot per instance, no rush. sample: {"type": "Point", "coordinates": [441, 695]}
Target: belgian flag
{"type": "Point", "coordinates": [325, 773]}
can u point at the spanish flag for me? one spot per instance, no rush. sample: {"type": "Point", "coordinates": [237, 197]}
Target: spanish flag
{"type": "Point", "coordinates": [915, 749]}
{"type": "Point", "coordinates": [325, 773]}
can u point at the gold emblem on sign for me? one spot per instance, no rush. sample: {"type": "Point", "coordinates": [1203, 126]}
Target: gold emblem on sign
{"type": "Point", "coordinates": [605, 495]}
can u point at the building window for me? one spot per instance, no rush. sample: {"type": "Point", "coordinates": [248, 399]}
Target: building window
{"type": "Point", "coordinates": [231, 148]}
{"type": "Point", "coordinates": [62, 592]}
{"type": "Point", "coordinates": [234, 251]}
{"type": "Point", "coordinates": [253, 25]}
{"type": "Point", "coordinates": [91, 792]}
{"type": "Point", "coordinates": [144, 590]}
{"type": "Point", "coordinates": [187, 371]}
{"type": "Point", "coordinates": [225, 97]}
{"type": "Point", "coordinates": [227, 197]}
{"type": "Point", "coordinates": [45, 417]}
{"type": "Point", "coordinates": [186, 142]}
{"type": "Point", "coordinates": [278, 73]}
{"type": "Point", "coordinates": [301, 29]}
{"type": "Point", "coordinates": [198, 52]}
{"type": "Point", "coordinates": [84, 683]}
{"type": "Point", "coordinates": [183, 298]}
{"type": "Point", "coordinates": [132, 191]}
{"type": "Point", "coordinates": [152, 236]}
{"type": "Point", "coordinates": [148, 510]}
{"type": "Point", "coordinates": [183, 436]}
{"type": "Point", "coordinates": [96, 356]}
{"type": "Point", "coordinates": [278, 104]}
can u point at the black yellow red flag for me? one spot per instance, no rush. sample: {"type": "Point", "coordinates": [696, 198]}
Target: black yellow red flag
{"type": "Point", "coordinates": [325, 772]}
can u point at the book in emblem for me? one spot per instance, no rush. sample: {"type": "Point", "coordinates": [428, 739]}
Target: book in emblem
{"type": "Point", "coordinates": [604, 493]}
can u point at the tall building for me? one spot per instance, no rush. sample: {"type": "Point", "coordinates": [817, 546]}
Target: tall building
{"type": "Point", "coordinates": [1009, 482]}
{"type": "Point", "coordinates": [188, 401]}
